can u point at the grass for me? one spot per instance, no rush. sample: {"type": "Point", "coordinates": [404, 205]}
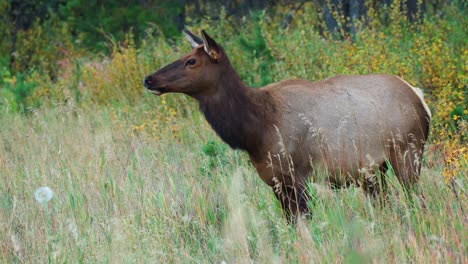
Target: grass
{"type": "Point", "coordinates": [122, 196]}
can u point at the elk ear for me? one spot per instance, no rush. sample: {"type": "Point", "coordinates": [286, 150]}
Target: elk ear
{"type": "Point", "coordinates": [211, 47]}
{"type": "Point", "coordinates": [194, 40]}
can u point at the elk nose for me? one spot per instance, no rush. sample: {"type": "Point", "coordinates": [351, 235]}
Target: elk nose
{"type": "Point", "coordinates": [148, 81]}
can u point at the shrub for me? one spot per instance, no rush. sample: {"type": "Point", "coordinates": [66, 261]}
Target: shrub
{"type": "Point", "coordinates": [16, 92]}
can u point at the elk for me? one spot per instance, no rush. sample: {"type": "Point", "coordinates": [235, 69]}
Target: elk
{"type": "Point", "coordinates": [349, 128]}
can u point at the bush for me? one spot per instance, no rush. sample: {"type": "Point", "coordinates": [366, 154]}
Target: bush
{"type": "Point", "coordinates": [16, 92]}
{"type": "Point", "coordinates": [92, 21]}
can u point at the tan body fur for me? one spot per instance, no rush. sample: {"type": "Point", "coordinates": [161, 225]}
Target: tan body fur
{"type": "Point", "coordinates": [345, 127]}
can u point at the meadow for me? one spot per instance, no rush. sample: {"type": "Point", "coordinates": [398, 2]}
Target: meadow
{"type": "Point", "coordinates": [143, 179]}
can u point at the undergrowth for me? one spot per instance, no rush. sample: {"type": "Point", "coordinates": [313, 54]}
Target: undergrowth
{"type": "Point", "coordinates": [123, 196]}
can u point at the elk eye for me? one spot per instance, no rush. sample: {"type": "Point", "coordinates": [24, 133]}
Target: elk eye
{"type": "Point", "coordinates": [190, 62]}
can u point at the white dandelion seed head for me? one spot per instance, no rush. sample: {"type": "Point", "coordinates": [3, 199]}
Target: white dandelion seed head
{"type": "Point", "coordinates": [43, 194]}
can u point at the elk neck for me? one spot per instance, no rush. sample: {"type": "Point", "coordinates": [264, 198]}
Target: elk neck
{"type": "Point", "coordinates": [240, 115]}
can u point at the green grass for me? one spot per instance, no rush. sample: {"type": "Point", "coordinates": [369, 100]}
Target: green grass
{"type": "Point", "coordinates": [123, 196]}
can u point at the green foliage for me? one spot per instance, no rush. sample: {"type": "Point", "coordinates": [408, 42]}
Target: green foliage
{"type": "Point", "coordinates": [16, 91]}
{"type": "Point", "coordinates": [92, 20]}
{"type": "Point", "coordinates": [42, 34]}
{"type": "Point", "coordinates": [24, 13]}
{"type": "Point", "coordinates": [44, 46]}
{"type": "Point", "coordinates": [5, 31]}
{"type": "Point", "coordinates": [32, 35]}
{"type": "Point", "coordinates": [214, 149]}
{"type": "Point", "coordinates": [215, 152]}
{"type": "Point", "coordinates": [259, 50]}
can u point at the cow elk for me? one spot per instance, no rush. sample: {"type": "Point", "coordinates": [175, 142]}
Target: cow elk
{"type": "Point", "coordinates": [350, 128]}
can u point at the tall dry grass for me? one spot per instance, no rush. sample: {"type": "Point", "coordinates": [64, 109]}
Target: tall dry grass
{"type": "Point", "coordinates": [121, 196]}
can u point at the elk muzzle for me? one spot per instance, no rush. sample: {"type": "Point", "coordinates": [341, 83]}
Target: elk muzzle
{"type": "Point", "coordinates": [147, 82]}
{"type": "Point", "coordinates": [152, 85]}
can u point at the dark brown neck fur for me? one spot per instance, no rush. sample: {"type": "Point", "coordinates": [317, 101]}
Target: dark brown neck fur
{"type": "Point", "coordinates": [240, 115]}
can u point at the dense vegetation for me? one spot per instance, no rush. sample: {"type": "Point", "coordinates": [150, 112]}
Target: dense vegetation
{"type": "Point", "coordinates": [141, 178]}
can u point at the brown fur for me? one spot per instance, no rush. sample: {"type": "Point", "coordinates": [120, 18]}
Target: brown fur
{"type": "Point", "coordinates": [345, 127]}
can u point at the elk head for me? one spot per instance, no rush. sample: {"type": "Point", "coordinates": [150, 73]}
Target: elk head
{"type": "Point", "coordinates": [194, 73]}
